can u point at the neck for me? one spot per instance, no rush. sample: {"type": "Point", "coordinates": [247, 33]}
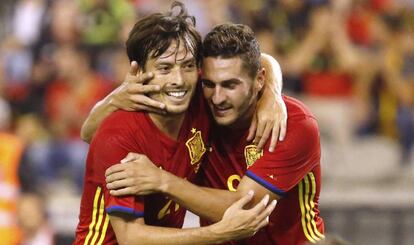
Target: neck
{"type": "Point", "coordinates": [170, 124]}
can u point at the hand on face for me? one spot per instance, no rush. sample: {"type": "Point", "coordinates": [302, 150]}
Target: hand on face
{"type": "Point", "coordinates": [132, 94]}
{"type": "Point", "coordinates": [135, 175]}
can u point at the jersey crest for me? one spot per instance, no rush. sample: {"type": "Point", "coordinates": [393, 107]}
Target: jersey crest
{"type": "Point", "coordinates": [251, 154]}
{"type": "Point", "coordinates": [195, 146]}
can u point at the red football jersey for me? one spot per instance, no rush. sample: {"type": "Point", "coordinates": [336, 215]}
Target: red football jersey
{"type": "Point", "coordinates": [123, 132]}
{"type": "Point", "coordinates": [291, 171]}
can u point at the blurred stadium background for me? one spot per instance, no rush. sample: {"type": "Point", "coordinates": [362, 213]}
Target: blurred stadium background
{"type": "Point", "coordinates": [350, 61]}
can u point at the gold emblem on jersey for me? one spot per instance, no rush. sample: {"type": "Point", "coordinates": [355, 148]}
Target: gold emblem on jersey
{"type": "Point", "coordinates": [195, 146]}
{"type": "Point", "coordinates": [251, 154]}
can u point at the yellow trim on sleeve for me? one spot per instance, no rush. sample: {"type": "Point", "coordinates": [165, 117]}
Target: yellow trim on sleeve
{"type": "Point", "coordinates": [95, 209]}
{"type": "Point", "coordinates": [307, 190]}
{"type": "Point", "coordinates": [105, 227]}
{"type": "Point", "coordinates": [100, 218]}
{"type": "Point", "coordinates": [313, 181]}
{"type": "Point", "coordinates": [302, 209]}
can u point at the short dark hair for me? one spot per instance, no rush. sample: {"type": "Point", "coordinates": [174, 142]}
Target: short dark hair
{"type": "Point", "coordinates": [230, 40]}
{"type": "Point", "coordinates": [153, 34]}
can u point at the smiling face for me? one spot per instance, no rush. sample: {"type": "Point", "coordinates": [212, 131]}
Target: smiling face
{"type": "Point", "coordinates": [175, 71]}
{"type": "Point", "coordinates": [230, 91]}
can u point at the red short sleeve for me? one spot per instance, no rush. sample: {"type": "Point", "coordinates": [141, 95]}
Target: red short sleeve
{"type": "Point", "coordinates": [293, 158]}
{"type": "Point", "coordinates": [108, 147]}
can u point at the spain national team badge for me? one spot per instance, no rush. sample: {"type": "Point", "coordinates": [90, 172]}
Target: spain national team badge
{"type": "Point", "coordinates": [195, 146]}
{"type": "Point", "coordinates": [252, 154]}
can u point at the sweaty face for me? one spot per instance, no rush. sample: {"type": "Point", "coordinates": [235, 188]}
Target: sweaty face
{"type": "Point", "coordinates": [230, 92]}
{"type": "Point", "coordinates": [176, 73]}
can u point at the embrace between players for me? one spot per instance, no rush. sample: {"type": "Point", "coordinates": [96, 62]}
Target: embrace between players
{"type": "Point", "coordinates": [189, 129]}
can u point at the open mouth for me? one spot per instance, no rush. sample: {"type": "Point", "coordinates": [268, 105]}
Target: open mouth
{"type": "Point", "coordinates": [177, 94]}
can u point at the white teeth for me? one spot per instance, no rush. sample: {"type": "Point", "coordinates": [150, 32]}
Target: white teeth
{"type": "Point", "coordinates": [176, 94]}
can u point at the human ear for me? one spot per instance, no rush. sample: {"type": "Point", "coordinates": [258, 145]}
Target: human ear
{"type": "Point", "coordinates": [260, 79]}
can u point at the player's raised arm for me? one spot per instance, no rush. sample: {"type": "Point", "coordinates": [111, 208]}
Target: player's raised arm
{"type": "Point", "coordinates": [271, 116]}
{"type": "Point", "coordinates": [129, 96]}
{"type": "Point", "coordinates": [237, 223]}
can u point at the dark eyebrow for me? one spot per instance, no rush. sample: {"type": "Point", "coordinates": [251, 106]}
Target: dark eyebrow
{"type": "Point", "coordinates": [230, 81]}
{"type": "Point", "coordinates": [190, 60]}
{"type": "Point", "coordinates": [224, 82]}
{"type": "Point", "coordinates": [205, 80]}
{"type": "Point", "coordinates": [163, 63]}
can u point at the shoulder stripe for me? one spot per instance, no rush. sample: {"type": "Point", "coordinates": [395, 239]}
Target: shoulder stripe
{"type": "Point", "coordinates": [95, 210]}
{"type": "Point", "coordinates": [307, 190]}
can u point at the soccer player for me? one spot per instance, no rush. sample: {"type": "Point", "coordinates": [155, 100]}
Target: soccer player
{"type": "Point", "coordinates": [232, 80]}
{"type": "Point", "coordinates": [167, 47]}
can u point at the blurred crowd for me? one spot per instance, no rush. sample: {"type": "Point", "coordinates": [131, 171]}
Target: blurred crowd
{"type": "Point", "coordinates": [351, 61]}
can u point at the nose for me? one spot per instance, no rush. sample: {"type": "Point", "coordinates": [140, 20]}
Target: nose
{"type": "Point", "coordinates": [178, 78]}
{"type": "Point", "coordinates": [218, 96]}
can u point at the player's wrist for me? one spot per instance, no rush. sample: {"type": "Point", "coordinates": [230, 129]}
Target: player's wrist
{"type": "Point", "coordinates": [111, 102]}
{"type": "Point", "coordinates": [165, 182]}
{"type": "Point", "coordinates": [217, 232]}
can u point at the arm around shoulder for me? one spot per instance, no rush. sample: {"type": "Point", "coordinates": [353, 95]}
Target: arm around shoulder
{"type": "Point", "coordinates": [99, 112]}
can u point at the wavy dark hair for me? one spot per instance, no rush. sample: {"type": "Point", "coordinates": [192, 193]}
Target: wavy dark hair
{"type": "Point", "coordinates": [231, 40]}
{"type": "Point", "coordinates": [152, 35]}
